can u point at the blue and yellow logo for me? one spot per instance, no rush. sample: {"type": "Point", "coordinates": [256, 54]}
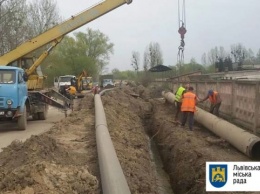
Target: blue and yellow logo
{"type": "Point", "coordinates": [217, 175]}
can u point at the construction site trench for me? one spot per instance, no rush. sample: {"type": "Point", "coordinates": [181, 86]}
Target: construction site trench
{"type": "Point", "coordinates": [156, 155]}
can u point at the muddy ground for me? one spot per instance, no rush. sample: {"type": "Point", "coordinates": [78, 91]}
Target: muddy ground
{"type": "Point", "coordinates": [64, 160]}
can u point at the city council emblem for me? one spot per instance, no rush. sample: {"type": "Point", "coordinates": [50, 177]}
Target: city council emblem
{"type": "Point", "coordinates": [217, 175]}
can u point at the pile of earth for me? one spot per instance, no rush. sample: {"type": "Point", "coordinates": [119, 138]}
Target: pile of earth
{"type": "Point", "coordinates": [62, 160]}
{"type": "Point", "coordinates": [65, 160]}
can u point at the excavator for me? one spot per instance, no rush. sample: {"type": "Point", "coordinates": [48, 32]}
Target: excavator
{"type": "Point", "coordinates": [87, 83]}
{"type": "Point", "coordinates": [79, 81]}
{"type": "Point", "coordinates": [22, 92]}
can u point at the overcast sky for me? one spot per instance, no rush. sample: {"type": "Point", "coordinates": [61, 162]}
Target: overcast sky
{"type": "Point", "coordinates": [210, 23]}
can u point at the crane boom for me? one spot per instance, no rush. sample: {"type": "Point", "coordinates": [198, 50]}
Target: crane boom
{"type": "Point", "coordinates": [62, 29]}
{"type": "Point", "coordinates": [25, 95]}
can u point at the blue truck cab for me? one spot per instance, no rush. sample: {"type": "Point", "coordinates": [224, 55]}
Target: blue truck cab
{"type": "Point", "coordinates": [13, 95]}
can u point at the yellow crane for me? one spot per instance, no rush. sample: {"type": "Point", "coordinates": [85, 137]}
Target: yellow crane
{"type": "Point", "coordinates": [19, 99]}
{"type": "Point", "coordinates": [19, 56]}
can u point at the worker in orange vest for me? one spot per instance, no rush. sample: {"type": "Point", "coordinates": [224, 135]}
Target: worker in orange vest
{"type": "Point", "coordinates": [70, 92]}
{"type": "Point", "coordinates": [188, 107]}
{"type": "Point", "coordinates": [215, 102]}
{"type": "Point", "coordinates": [178, 99]}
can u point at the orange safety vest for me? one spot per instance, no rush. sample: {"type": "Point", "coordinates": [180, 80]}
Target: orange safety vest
{"type": "Point", "coordinates": [213, 98]}
{"type": "Point", "coordinates": [188, 102]}
{"type": "Point", "coordinates": [72, 90]}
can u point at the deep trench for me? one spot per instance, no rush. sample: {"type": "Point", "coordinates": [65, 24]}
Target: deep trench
{"type": "Point", "coordinates": [168, 182]}
{"type": "Point", "coordinates": [163, 178]}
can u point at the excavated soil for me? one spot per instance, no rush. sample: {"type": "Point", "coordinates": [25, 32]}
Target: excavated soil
{"type": "Point", "coordinates": [64, 160]}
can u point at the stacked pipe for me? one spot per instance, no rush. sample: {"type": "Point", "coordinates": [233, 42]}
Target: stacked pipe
{"type": "Point", "coordinates": [244, 141]}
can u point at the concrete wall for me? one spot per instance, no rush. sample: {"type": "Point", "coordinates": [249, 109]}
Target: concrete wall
{"type": "Point", "coordinates": [240, 100]}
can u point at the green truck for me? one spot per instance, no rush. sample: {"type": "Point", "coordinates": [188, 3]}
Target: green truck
{"type": "Point", "coordinates": [107, 81]}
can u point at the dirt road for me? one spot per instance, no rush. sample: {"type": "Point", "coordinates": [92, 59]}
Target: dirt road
{"type": "Point", "coordinates": [9, 132]}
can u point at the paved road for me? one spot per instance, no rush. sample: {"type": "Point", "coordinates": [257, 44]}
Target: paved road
{"type": "Point", "coordinates": [9, 132]}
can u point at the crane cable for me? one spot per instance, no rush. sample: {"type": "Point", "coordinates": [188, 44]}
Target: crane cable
{"type": "Point", "coordinates": [182, 31]}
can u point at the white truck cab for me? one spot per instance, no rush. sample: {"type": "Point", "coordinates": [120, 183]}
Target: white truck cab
{"type": "Point", "coordinates": [60, 82]}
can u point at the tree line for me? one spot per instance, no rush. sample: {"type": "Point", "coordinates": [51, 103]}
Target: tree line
{"type": "Point", "coordinates": [217, 59]}
{"type": "Point", "coordinates": [22, 20]}
{"type": "Point", "coordinates": [91, 50]}
{"type": "Point", "coordinates": [237, 58]}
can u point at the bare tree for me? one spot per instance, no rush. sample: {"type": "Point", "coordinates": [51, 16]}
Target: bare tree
{"type": "Point", "coordinates": [135, 60]}
{"type": "Point", "coordinates": [20, 21]}
{"type": "Point", "coordinates": [204, 59]}
{"type": "Point", "coordinates": [257, 60]}
{"type": "Point", "coordinates": [12, 24]}
{"type": "Point", "coordinates": [239, 54]}
{"type": "Point", "coordinates": [222, 53]}
{"type": "Point", "coordinates": [154, 55]}
{"type": "Point", "coordinates": [146, 61]}
{"type": "Point", "coordinates": [42, 15]}
{"type": "Point", "coordinates": [213, 56]}
{"type": "Point", "coordinates": [251, 54]}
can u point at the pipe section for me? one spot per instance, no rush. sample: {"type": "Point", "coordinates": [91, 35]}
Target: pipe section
{"type": "Point", "coordinates": [112, 176]}
{"type": "Point", "coordinates": [105, 90]}
{"type": "Point", "coordinates": [244, 141]}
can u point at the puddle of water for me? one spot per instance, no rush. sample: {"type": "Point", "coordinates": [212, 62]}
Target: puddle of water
{"type": "Point", "coordinates": [163, 180]}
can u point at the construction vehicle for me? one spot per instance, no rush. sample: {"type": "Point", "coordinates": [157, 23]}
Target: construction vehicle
{"type": "Point", "coordinates": [25, 95]}
{"type": "Point", "coordinates": [106, 81]}
{"type": "Point", "coordinates": [66, 80]}
{"type": "Point", "coordinates": [87, 83]}
{"type": "Point", "coordinates": [70, 80]}
{"type": "Point", "coordinates": [79, 81]}
{"type": "Point", "coordinates": [61, 81]}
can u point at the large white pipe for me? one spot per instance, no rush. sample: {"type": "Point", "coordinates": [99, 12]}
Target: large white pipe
{"type": "Point", "coordinates": [244, 141]}
{"type": "Point", "coordinates": [112, 176]}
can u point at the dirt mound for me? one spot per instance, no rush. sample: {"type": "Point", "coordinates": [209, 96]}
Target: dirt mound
{"type": "Point", "coordinates": [124, 117]}
{"type": "Point", "coordinates": [63, 160]}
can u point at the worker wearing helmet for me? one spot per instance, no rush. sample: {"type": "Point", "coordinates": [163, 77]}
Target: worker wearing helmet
{"type": "Point", "coordinates": [178, 99]}
{"type": "Point", "coordinates": [215, 102]}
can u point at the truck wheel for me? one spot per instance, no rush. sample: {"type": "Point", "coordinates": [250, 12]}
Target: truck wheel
{"type": "Point", "coordinates": [43, 115]}
{"type": "Point", "coordinates": [22, 120]}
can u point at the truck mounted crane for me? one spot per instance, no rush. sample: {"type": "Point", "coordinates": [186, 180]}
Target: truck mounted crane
{"type": "Point", "coordinates": [21, 81]}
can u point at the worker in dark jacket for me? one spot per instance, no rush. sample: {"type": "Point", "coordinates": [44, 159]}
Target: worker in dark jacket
{"type": "Point", "coordinates": [63, 89]}
{"type": "Point", "coordinates": [73, 81]}
{"type": "Point", "coordinates": [215, 102]}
